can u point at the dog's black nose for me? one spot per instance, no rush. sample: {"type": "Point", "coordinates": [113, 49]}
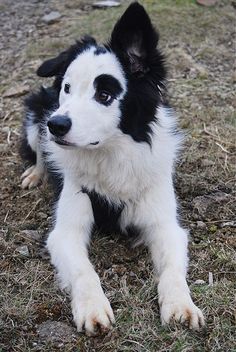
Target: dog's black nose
{"type": "Point", "coordinates": [59, 125]}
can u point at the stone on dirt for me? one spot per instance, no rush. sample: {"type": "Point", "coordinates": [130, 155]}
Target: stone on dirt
{"type": "Point", "coordinates": [32, 234]}
{"type": "Point", "coordinates": [52, 17]}
{"type": "Point", "coordinates": [23, 250]}
{"type": "Point", "coordinates": [203, 203]}
{"type": "Point", "coordinates": [105, 4]}
{"type": "Point", "coordinates": [55, 331]}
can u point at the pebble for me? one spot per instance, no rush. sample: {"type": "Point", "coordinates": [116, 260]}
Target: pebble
{"type": "Point", "coordinates": [52, 17]}
{"type": "Point", "coordinates": [23, 250]}
{"type": "Point", "coordinates": [203, 203]}
{"type": "Point", "coordinates": [199, 282]}
{"type": "Point", "coordinates": [105, 4]}
{"type": "Point", "coordinates": [207, 162]}
{"type": "Point", "coordinates": [206, 3]}
{"type": "Point", "coordinates": [3, 147]}
{"type": "Point", "coordinates": [55, 331]}
{"type": "Point", "coordinates": [229, 224]}
{"type": "Point", "coordinates": [32, 234]}
{"type": "Point", "coordinates": [201, 225]}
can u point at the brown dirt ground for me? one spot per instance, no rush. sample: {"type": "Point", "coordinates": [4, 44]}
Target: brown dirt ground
{"type": "Point", "coordinates": [198, 43]}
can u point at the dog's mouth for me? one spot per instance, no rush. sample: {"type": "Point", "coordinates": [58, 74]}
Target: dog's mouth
{"type": "Point", "coordinates": [62, 142]}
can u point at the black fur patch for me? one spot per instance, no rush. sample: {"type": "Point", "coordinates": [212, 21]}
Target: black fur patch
{"type": "Point", "coordinates": [134, 41]}
{"type": "Point", "coordinates": [108, 84]}
{"type": "Point", "coordinates": [100, 50]}
{"type": "Point", "coordinates": [41, 104]}
{"type": "Point", "coordinates": [58, 65]}
{"type": "Point", "coordinates": [106, 215]}
{"type": "Point", "coordinates": [38, 107]}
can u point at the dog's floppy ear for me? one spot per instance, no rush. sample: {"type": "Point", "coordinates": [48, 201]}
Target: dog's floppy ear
{"type": "Point", "coordinates": [133, 39]}
{"type": "Point", "coordinates": [53, 67]}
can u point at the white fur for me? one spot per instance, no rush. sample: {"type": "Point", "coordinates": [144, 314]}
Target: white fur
{"type": "Point", "coordinates": [123, 171]}
{"type": "Point", "coordinates": [91, 121]}
{"type": "Point", "coordinates": [33, 175]}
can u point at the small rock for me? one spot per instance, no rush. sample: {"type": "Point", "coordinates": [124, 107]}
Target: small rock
{"type": "Point", "coordinates": [3, 147]}
{"type": "Point", "coordinates": [201, 225]}
{"type": "Point", "coordinates": [105, 4]}
{"type": "Point", "coordinates": [5, 129]}
{"type": "Point", "coordinates": [203, 203]}
{"type": "Point", "coordinates": [206, 3]}
{"type": "Point", "coordinates": [32, 234]}
{"type": "Point", "coordinates": [42, 215]}
{"type": "Point", "coordinates": [199, 282]}
{"type": "Point", "coordinates": [207, 162]}
{"type": "Point", "coordinates": [52, 17]}
{"type": "Point", "coordinates": [229, 224]}
{"type": "Point", "coordinates": [16, 91]}
{"type": "Point", "coordinates": [55, 331]}
{"type": "Point", "coordinates": [23, 250]}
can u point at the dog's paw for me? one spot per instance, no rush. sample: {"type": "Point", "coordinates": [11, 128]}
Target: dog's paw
{"type": "Point", "coordinates": [94, 314]}
{"type": "Point", "coordinates": [183, 311]}
{"type": "Point", "coordinates": [31, 177]}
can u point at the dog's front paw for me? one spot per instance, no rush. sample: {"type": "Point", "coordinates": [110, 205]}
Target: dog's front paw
{"type": "Point", "coordinates": [31, 177]}
{"type": "Point", "coordinates": [183, 311]}
{"type": "Point", "coordinates": [93, 314]}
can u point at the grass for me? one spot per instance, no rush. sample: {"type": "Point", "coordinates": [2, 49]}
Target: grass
{"type": "Point", "coordinates": [199, 48]}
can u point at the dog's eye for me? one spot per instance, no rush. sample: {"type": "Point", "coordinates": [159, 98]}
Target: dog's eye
{"type": "Point", "coordinates": [104, 97]}
{"type": "Point", "coordinates": [67, 88]}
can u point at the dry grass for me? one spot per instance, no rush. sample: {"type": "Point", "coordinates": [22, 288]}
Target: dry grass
{"type": "Point", "coordinates": [199, 46]}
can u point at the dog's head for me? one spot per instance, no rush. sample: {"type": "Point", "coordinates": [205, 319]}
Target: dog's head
{"type": "Point", "coordinates": [106, 91]}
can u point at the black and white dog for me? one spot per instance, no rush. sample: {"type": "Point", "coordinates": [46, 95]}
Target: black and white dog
{"type": "Point", "coordinates": [105, 128]}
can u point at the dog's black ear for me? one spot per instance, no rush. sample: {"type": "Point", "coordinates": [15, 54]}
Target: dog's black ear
{"type": "Point", "coordinates": [59, 64]}
{"type": "Point", "coordinates": [134, 39]}
{"type": "Point", "coordinates": [53, 67]}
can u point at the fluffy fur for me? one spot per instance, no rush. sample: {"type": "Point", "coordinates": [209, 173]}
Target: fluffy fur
{"type": "Point", "coordinates": [105, 129]}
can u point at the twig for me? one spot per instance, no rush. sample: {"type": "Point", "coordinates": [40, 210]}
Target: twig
{"type": "Point", "coordinates": [9, 137]}
{"type": "Point", "coordinates": [221, 147]}
{"type": "Point", "coordinates": [5, 219]}
{"type": "Point", "coordinates": [38, 201]}
{"type": "Point", "coordinates": [210, 278]}
{"type": "Point", "coordinates": [32, 287]}
{"type": "Point", "coordinates": [216, 137]}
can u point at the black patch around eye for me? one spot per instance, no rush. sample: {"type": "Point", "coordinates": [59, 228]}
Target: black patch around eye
{"type": "Point", "coordinates": [108, 84]}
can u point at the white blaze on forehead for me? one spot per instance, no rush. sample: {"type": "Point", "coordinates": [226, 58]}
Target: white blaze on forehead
{"type": "Point", "coordinates": [87, 66]}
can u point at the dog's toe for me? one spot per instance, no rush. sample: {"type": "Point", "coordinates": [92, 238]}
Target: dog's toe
{"type": "Point", "coordinates": [186, 313]}
{"type": "Point", "coordinates": [31, 177]}
{"type": "Point", "coordinates": [95, 316]}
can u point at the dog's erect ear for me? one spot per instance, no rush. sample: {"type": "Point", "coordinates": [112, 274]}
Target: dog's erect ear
{"type": "Point", "coordinates": [53, 67]}
{"type": "Point", "coordinates": [133, 38]}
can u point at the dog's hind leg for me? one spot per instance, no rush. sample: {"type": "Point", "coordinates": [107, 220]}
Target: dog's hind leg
{"type": "Point", "coordinates": [32, 153]}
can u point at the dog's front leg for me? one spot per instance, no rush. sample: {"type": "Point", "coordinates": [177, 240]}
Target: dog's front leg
{"type": "Point", "coordinates": [167, 242]}
{"type": "Point", "coordinates": [67, 244]}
